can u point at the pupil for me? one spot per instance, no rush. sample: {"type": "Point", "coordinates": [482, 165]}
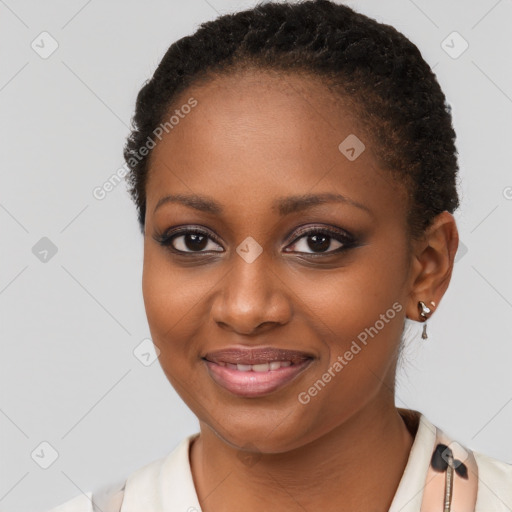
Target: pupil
{"type": "Point", "coordinates": [322, 245]}
{"type": "Point", "coordinates": [195, 241]}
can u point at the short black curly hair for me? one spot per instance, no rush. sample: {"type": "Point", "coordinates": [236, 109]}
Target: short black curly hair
{"type": "Point", "coordinates": [396, 95]}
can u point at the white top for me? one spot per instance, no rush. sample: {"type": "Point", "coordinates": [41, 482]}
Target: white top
{"type": "Point", "coordinates": [166, 484]}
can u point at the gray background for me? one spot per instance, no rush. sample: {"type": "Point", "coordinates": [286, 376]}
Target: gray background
{"type": "Point", "coordinates": [70, 324]}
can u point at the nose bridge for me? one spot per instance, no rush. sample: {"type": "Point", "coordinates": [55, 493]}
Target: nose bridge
{"type": "Point", "coordinates": [251, 293]}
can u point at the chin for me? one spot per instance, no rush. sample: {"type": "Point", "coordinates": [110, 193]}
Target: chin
{"type": "Point", "coordinates": [253, 433]}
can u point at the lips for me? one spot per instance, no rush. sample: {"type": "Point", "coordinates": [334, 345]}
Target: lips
{"type": "Point", "coordinates": [254, 372]}
{"type": "Point", "coordinates": [256, 356]}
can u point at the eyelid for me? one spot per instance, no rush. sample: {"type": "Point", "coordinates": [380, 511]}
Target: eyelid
{"type": "Point", "coordinates": [305, 229]}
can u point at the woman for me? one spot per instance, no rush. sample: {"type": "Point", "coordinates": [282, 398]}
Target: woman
{"type": "Point", "coordinates": [294, 171]}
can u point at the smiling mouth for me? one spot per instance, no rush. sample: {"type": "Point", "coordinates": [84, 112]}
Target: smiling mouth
{"type": "Point", "coordinates": [255, 372]}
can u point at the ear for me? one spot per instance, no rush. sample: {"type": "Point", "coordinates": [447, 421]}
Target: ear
{"type": "Point", "coordinates": [432, 264]}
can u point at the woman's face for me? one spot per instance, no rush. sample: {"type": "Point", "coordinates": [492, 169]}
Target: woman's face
{"type": "Point", "coordinates": [272, 267]}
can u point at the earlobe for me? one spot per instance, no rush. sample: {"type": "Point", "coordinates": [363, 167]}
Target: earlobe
{"type": "Point", "coordinates": [433, 257]}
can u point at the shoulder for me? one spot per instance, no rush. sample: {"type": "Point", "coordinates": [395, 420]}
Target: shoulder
{"type": "Point", "coordinates": [494, 483]}
{"type": "Point", "coordinates": [82, 503]}
{"type": "Point", "coordinates": [142, 487]}
{"type": "Point", "coordinates": [108, 498]}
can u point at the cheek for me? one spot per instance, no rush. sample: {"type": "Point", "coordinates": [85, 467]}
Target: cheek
{"type": "Point", "coordinates": [359, 313]}
{"type": "Point", "coordinates": [345, 301]}
{"type": "Point", "coordinates": [360, 326]}
{"type": "Point", "coordinates": [361, 332]}
{"type": "Point", "coordinates": [169, 292]}
{"type": "Point", "coordinates": [168, 298]}
{"type": "Point", "coordinates": [175, 300]}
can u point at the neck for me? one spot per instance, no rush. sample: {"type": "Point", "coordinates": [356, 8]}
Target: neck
{"type": "Point", "coordinates": [356, 466]}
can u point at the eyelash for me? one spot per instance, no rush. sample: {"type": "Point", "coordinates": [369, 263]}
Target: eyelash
{"type": "Point", "coordinates": [346, 239]}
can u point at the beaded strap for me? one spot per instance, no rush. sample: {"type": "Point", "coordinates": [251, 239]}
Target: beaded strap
{"type": "Point", "coordinates": [452, 478]}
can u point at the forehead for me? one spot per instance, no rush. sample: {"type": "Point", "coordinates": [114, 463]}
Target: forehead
{"type": "Point", "coordinates": [255, 135]}
{"type": "Point", "coordinates": [259, 104]}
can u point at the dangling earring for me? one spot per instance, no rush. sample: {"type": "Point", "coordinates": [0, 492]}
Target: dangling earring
{"type": "Point", "coordinates": [425, 313]}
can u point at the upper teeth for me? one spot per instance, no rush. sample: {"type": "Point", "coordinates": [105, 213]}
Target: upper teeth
{"type": "Point", "coordinates": [263, 367]}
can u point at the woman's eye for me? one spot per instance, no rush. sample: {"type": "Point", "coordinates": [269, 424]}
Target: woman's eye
{"type": "Point", "coordinates": [190, 241]}
{"type": "Point", "coordinates": [321, 241]}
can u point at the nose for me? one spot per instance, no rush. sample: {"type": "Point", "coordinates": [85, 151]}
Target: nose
{"type": "Point", "coordinates": [251, 298]}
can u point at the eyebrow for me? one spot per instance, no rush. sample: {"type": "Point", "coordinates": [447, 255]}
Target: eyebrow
{"type": "Point", "coordinates": [283, 205]}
